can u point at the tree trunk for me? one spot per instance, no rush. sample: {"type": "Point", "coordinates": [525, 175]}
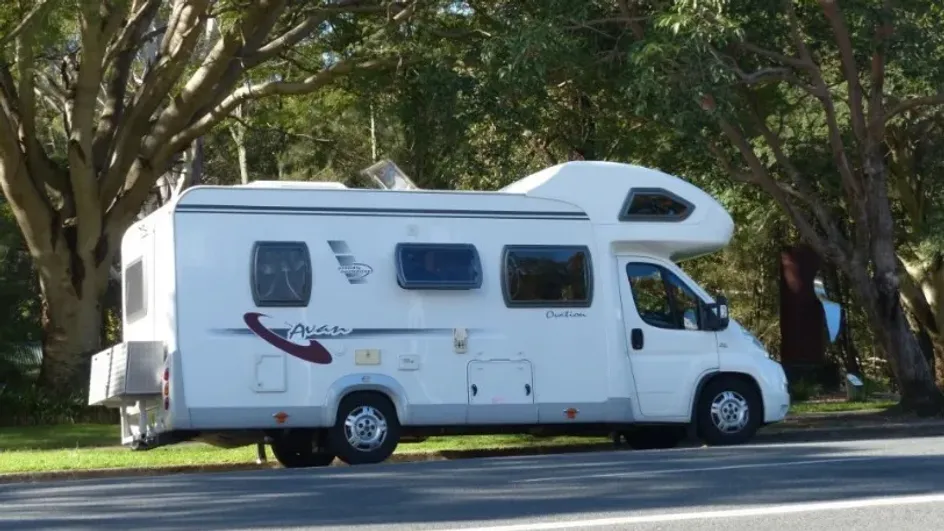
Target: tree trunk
{"type": "Point", "coordinates": [887, 316]}
{"type": "Point", "coordinates": [71, 321]}
{"type": "Point", "coordinates": [922, 286]}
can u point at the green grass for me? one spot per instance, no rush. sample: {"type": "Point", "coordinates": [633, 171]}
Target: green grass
{"type": "Point", "coordinates": [838, 407]}
{"type": "Point", "coordinates": [96, 446]}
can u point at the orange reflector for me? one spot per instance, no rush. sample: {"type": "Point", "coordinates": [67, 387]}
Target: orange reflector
{"type": "Point", "coordinates": [280, 417]}
{"type": "Point", "coordinates": [571, 413]}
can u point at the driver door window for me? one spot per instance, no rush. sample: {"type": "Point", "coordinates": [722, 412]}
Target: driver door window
{"type": "Point", "coordinates": [661, 299]}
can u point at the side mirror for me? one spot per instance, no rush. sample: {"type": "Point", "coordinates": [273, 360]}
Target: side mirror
{"type": "Point", "coordinates": [714, 316]}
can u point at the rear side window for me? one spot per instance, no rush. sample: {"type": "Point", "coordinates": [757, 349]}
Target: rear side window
{"type": "Point", "coordinates": [135, 291]}
{"type": "Point", "coordinates": [655, 204]}
{"type": "Point", "coordinates": [547, 276]}
{"type": "Point", "coordinates": [281, 274]}
{"type": "Point", "coordinates": [438, 266]}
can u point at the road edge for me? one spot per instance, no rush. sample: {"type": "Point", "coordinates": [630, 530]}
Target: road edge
{"type": "Point", "coordinates": [770, 435]}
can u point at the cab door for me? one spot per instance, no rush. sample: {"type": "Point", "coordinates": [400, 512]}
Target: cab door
{"type": "Point", "coordinates": [668, 351]}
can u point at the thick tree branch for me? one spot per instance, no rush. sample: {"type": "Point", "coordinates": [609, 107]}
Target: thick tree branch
{"type": "Point", "coordinates": [914, 103]}
{"type": "Point", "coordinates": [121, 53]}
{"type": "Point", "coordinates": [303, 29]}
{"type": "Point", "coordinates": [826, 221]}
{"type": "Point", "coordinates": [184, 28]}
{"type": "Point", "coordinates": [130, 35]}
{"type": "Point", "coordinates": [219, 71]}
{"type": "Point", "coordinates": [31, 203]}
{"type": "Point", "coordinates": [225, 86]}
{"type": "Point", "coordinates": [95, 26]}
{"type": "Point", "coordinates": [799, 64]}
{"type": "Point", "coordinates": [838, 251]}
{"type": "Point", "coordinates": [850, 70]}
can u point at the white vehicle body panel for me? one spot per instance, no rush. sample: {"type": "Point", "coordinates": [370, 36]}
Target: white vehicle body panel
{"type": "Point", "coordinates": [235, 366]}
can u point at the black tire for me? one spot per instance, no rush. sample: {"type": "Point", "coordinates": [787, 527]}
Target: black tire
{"type": "Point", "coordinates": [371, 408]}
{"type": "Point", "coordinates": [654, 437]}
{"type": "Point", "coordinates": [740, 393]}
{"type": "Point", "coordinates": [298, 450]}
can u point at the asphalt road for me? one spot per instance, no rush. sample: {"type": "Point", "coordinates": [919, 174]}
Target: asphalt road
{"type": "Point", "coordinates": [869, 485]}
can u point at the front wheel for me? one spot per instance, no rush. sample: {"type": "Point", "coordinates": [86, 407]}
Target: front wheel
{"type": "Point", "coordinates": [729, 412]}
{"type": "Point", "coordinates": [298, 450]}
{"type": "Point", "coordinates": [366, 429]}
{"type": "Point", "coordinates": [655, 437]}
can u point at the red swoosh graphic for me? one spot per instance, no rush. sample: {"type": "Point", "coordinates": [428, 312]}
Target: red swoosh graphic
{"type": "Point", "coordinates": [313, 351]}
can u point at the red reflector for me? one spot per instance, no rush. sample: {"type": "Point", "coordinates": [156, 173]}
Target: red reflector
{"type": "Point", "coordinates": [166, 404]}
{"type": "Point", "coordinates": [166, 375]}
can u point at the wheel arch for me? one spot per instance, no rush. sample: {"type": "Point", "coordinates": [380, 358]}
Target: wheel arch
{"type": "Point", "coordinates": [718, 375]}
{"type": "Point", "coordinates": [375, 383]}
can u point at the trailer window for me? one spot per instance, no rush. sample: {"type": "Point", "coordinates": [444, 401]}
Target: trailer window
{"type": "Point", "coordinates": [540, 275]}
{"type": "Point", "coordinates": [281, 274]}
{"type": "Point", "coordinates": [135, 291]}
{"type": "Point", "coordinates": [661, 298]}
{"type": "Point", "coordinates": [438, 266]}
{"type": "Point", "coordinates": [654, 204]}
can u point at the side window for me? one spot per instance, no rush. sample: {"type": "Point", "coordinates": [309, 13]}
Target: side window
{"type": "Point", "coordinates": [661, 298]}
{"type": "Point", "coordinates": [655, 204]}
{"type": "Point", "coordinates": [281, 274]}
{"type": "Point", "coordinates": [135, 291]}
{"type": "Point", "coordinates": [550, 276]}
{"type": "Point", "coordinates": [438, 266]}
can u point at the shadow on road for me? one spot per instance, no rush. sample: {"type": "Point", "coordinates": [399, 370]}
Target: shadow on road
{"type": "Point", "coordinates": [476, 490]}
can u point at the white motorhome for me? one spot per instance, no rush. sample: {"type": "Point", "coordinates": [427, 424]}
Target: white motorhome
{"type": "Point", "coordinates": [331, 322]}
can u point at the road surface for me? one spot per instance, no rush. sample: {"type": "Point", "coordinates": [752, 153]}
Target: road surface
{"type": "Point", "coordinates": [868, 485]}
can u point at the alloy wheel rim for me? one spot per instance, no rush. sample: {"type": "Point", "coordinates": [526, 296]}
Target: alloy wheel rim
{"type": "Point", "coordinates": [729, 412]}
{"type": "Point", "coordinates": [365, 428]}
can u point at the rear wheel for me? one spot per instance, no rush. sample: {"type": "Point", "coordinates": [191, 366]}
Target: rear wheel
{"type": "Point", "coordinates": [300, 450]}
{"type": "Point", "coordinates": [655, 437]}
{"type": "Point", "coordinates": [366, 429]}
{"type": "Point", "coordinates": [729, 412]}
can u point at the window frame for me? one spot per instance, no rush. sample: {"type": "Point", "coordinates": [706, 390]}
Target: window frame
{"type": "Point", "coordinates": [257, 299]}
{"type": "Point", "coordinates": [664, 274]}
{"type": "Point", "coordinates": [406, 284]}
{"type": "Point", "coordinates": [624, 214]}
{"type": "Point", "coordinates": [143, 293]}
{"type": "Point", "coordinates": [588, 276]}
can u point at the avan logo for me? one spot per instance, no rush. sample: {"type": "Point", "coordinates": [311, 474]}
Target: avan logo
{"type": "Point", "coordinates": [291, 343]}
{"type": "Point", "coordinates": [355, 271]}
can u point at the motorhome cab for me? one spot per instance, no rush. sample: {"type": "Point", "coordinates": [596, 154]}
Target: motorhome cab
{"type": "Point", "coordinates": [331, 321]}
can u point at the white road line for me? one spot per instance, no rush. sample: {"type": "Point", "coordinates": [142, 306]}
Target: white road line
{"type": "Point", "coordinates": [731, 513]}
{"type": "Point", "coordinates": [647, 473]}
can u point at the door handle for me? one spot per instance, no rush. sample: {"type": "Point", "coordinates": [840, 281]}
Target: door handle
{"type": "Point", "coordinates": [636, 338]}
{"type": "Point", "coordinates": [475, 390]}
{"type": "Point", "coordinates": [527, 389]}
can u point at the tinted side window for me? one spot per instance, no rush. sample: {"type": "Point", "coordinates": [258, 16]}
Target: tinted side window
{"type": "Point", "coordinates": [135, 291]}
{"type": "Point", "coordinates": [547, 276]}
{"type": "Point", "coordinates": [661, 299]}
{"type": "Point", "coordinates": [281, 274]}
{"type": "Point", "coordinates": [438, 266]}
{"type": "Point", "coordinates": [655, 205]}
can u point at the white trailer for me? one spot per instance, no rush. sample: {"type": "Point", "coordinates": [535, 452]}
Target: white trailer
{"type": "Point", "coordinates": [332, 322]}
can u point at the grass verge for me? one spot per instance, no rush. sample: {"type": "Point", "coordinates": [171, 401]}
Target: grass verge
{"type": "Point", "coordinates": [94, 446]}
{"type": "Point", "coordinates": [813, 407]}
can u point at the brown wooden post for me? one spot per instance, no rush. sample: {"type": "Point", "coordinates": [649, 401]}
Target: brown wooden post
{"type": "Point", "coordinates": [802, 322]}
